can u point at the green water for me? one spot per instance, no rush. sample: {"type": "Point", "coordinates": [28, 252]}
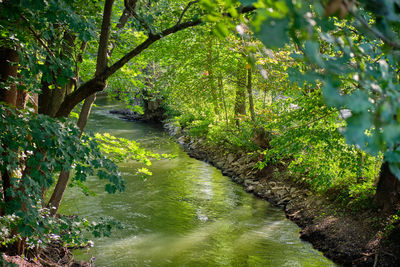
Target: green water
{"type": "Point", "coordinates": [186, 214]}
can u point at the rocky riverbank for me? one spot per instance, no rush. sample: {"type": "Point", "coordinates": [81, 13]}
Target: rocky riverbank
{"type": "Point", "coordinates": [346, 238]}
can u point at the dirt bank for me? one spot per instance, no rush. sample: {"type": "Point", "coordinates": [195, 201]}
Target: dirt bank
{"type": "Point", "coordinates": [350, 239]}
{"type": "Point", "coordinates": [54, 255]}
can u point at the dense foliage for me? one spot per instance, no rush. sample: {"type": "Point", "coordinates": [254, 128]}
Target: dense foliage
{"type": "Point", "coordinates": [298, 128]}
{"type": "Point", "coordinates": [312, 85]}
{"type": "Point", "coordinates": [34, 148]}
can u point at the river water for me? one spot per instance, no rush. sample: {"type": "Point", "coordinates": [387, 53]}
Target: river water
{"type": "Point", "coordinates": [186, 214]}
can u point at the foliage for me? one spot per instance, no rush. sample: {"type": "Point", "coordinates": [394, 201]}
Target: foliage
{"type": "Point", "coordinates": [52, 39]}
{"type": "Point", "coordinates": [321, 77]}
{"type": "Point", "coordinates": [307, 136]}
{"type": "Point", "coordinates": [37, 30]}
{"type": "Point", "coordinates": [302, 131]}
{"type": "Point", "coordinates": [354, 55]}
{"type": "Point", "coordinates": [121, 150]}
{"type": "Point", "coordinates": [34, 148]}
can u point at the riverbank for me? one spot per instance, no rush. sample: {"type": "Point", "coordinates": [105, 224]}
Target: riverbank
{"type": "Point", "coordinates": [347, 238]}
{"type": "Point", "coordinates": [54, 255]}
{"type": "Point", "coordinates": [361, 238]}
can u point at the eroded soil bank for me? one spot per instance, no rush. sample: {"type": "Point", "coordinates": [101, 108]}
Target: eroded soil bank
{"type": "Point", "coordinates": [54, 255]}
{"type": "Point", "coordinates": [350, 239]}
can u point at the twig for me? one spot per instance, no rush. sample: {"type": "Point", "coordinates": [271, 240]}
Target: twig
{"type": "Point", "coordinates": [376, 259]}
{"type": "Point", "coordinates": [37, 37]}
{"type": "Point", "coordinates": [145, 25]}
{"type": "Point", "coordinates": [96, 84]}
{"type": "Point", "coordinates": [184, 10]}
{"type": "Point", "coordinates": [311, 122]}
{"type": "Point", "coordinates": [374, 31]}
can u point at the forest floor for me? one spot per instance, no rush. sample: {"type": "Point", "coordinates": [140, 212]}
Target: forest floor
{"type": "Point", "coordinates": [349, 238]}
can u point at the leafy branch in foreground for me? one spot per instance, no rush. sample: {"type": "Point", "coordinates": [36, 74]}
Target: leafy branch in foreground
{"type": "Point", "coordinates": [34, 148]}
{"type": "Point", "coordinates": [122, 150]}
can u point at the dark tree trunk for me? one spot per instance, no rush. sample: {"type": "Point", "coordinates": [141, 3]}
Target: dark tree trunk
{"type": "Point", "coordinates": [10, 97]}
{"type": "Point", "coordinates": [222, 92]}
{"type": "Point", "coordinates": [44, 98]}
{"type": "Point", "coordinates": [8, 55]}
{"type": "Point", "coordinates": [50, 99]}
{"type": "Point", "coordinates": [211, 76]}
{"type": "Point", "coordinates": [250, 94]}
{"type": "Point", "coordinates": [101, 65]}
{"type": "Point", "coordinates": [387, 190]}
{"type": "Point", "coordinates": [240, 98]}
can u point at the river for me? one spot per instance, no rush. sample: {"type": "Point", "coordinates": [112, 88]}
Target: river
{"type": "Point", "coordinates": [186, 214]}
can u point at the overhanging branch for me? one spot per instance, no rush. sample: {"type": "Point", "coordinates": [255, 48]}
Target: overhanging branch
{"type": "Point", "coordinates": [186, 9]}
{"type": "Point", "coordinates": [98, 82]}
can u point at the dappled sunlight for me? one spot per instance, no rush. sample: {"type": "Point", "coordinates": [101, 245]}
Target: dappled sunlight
{"type": "Point", "coordinates": [188, 212]}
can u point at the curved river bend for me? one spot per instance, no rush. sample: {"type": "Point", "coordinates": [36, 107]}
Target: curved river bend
{"type": "Point", "coordinates": [186, 214]}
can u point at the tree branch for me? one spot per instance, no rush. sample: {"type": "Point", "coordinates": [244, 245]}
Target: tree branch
{"type": "Point", "coordinates": [374, 31]}
{"type": "Point", "coordinates": [37, 37]}
{"type": "Point", "coordinates": [130, 6]}
{"type": "Point", "coordinates": [98, 82]}
{"type": "Point", "coordinates": [185, 9]}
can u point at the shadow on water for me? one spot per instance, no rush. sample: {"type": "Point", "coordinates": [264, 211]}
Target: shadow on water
{"type": "Point", "coordinates": [186, 214]}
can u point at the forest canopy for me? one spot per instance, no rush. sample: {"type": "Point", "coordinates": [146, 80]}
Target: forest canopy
{"type": "Point", "coordinates": [311, 84]}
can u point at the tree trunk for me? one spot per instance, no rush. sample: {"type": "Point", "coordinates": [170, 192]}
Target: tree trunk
{"type": "Point", "coordinates": [240, 99]}
{"type": "Point", "coordinates": [101, 65]}
{"type": "Point", "coordinates": [1, 196]}
{"type": "Point", "coordinates": [63, 178]}
{"type": "Point", "coordinates": [250, 94]}
{"type": "Point", "coordinates": [210, 77]}
{"type": "Point", "coordinates": [8, 55]}
{"type": "Point", "coordinates": [387, 190]}
{"type": "Point", "coordinates": [222, 92]}
{"type": "Point", "coordinates": [51, 99]}
{"type": "Point", "coordinates": [8, 96]}
{"type": "Point", "coordinates": [44, 98]}
{"type": "Point", "coordinates": [58, 193]}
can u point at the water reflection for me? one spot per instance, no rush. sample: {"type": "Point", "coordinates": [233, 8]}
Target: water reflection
{"type": "Point", "coordinates": [186, 214]}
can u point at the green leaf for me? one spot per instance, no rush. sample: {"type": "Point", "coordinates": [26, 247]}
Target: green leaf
{"type": "Point", "coordinates": [273, 32]}
{"type": "Point", "coordinates": [357, 124]}
{"type": "Point", "coordinates": [394, 168]}
{"type": "Point", "coordinates": [358, 102]}
{"type": "Point", "coordinates": [221, 30]}
{"type": "Point", "coordinates": [312, 51]}
{"type": "Point", "coordinates": [248, 2]}
{"type": "Point", "coordinates": [331, 95]}
{"type": "Point", "coordinates": [391, 134]}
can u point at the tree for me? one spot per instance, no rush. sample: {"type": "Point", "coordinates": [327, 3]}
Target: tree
{"type": "Point", "coordinates": [240, 97]}
{"type": "Point", "coordinates": [46, 41]}
{"type": "Point", "coordinates": [353, 50]}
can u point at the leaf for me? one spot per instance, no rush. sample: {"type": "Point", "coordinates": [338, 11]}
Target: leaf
{"type": "Point", "coordinates": [273, 32]}
{"type": "Point", "coordinates": [295, 76]}
{"type": "Point", "coordinates": [391, 134]}
{"type": "Point", "coordinates": [358, 102]}
{"type": "Point", "coordinates": [392, 156]}
{"type": "Point", "coordinates": [312, 51]}
{"type": "Point", "coordinates": [394, 168]}
{"type": "Point", "coordinates": [248, 2]}
{"type": "Point", "coordinates": [331, 95]}
{"type": "Point", "coordinates": [357, 124]}
{"type": "Point", "coordinates": [221, 30]}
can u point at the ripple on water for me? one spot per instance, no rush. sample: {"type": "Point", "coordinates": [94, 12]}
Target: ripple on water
{"type": "Point", "coordinates": [186, 214]}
